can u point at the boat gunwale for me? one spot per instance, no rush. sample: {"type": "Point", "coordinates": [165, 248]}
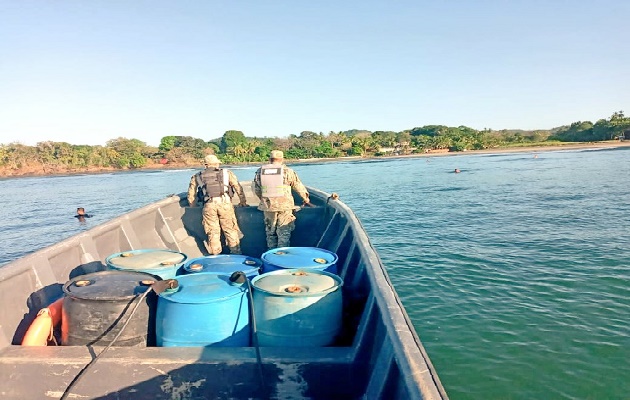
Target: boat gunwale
{"type": "Point", "coordinates": [385, 298]}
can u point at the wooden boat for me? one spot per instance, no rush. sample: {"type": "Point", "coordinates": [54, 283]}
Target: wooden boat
{"type": "Point", "coordinates": [379, 355]}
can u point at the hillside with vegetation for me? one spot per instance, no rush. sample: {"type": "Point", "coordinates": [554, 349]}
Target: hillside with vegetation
{"type": "Point", "coordinates": [235, 147]}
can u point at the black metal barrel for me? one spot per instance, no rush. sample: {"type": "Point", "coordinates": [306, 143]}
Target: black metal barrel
{"type": "Point", "coordinates": [97, 305]}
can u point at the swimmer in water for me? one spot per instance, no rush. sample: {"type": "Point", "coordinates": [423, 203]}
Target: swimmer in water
{"type": "Point", "coordinates": [457, 171]}
{"type": "Point", "coordinates": [81, 215]}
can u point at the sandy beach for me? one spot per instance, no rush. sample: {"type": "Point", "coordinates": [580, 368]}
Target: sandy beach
{"type": "Point", "coordinates": [534, 149]}
{"type": "Point", "coordinates": [503, 150]}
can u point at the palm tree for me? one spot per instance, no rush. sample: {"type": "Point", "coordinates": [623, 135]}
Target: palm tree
{"type": "Point", "coordinates": [238, 150]}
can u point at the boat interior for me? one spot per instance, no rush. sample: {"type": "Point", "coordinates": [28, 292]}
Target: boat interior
{"type": "Point", "coordinates": [377, 354]}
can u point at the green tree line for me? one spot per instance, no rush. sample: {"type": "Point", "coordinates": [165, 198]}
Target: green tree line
{"type": "Point", "coordinates": [235, 147]}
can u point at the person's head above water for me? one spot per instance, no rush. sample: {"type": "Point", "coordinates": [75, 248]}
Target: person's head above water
{"type": "Point", "coordinates": [81, 215]}
{"type": "Point", "coordinates": [457, 170]}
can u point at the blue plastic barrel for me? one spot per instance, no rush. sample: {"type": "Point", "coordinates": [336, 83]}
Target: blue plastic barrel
{"type": "Point", "coordinates": [297, 308]}
{"type": "Point", "coordinates": [312, 258]}
{"type": "Point", "coordinates": [225, 264]}
{"type": "Point", "coordinates": [206, 309]}
{"type": "Point", "coordinates": [161, 262]}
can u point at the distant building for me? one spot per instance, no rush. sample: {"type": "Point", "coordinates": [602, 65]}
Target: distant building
{"type": "Point", "coordinates": [399, 149]}
{"type": "Point", "coordinates": [387, 150]}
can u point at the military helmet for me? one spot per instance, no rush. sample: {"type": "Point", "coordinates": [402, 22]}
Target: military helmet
{"type": "Point", "coordinates": [211, 159]}
{"type": "Point", "coordinates": [277, 154]}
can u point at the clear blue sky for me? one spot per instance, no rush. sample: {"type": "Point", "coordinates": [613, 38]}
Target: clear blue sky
{"type": "Point", "coordinates": [85, 72]}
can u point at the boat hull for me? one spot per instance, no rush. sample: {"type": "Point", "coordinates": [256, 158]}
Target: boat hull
{"type": "Point", "coordinates": [376, 355]}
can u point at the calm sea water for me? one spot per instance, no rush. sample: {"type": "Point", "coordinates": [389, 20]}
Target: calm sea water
{"type": "Point", "coordinates": [515, 272]}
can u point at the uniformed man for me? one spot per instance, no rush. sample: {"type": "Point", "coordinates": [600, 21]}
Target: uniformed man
{"type": "Point", "coordinates": [273, 184]}
{"type": "Point", "coordinates": [214, 188]}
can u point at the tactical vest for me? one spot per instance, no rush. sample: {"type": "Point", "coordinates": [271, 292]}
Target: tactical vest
{"type": "Point", "coordinates": [212, 183]}
{"type": "Point", "coordinates": [272, 180]}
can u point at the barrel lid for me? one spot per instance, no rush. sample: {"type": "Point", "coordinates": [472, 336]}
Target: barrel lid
{"type": "Point", "coordinates": [109, 285]}
{"type": "Point", "coordinates": [224, 263]}
{"type": "Point", "coordinates": [204, 287]}
{"type": "Point", "coordinates": [146, 260]}
{"type": "Point", "coordinates": [297, 282]}
{"type": "Point", "coordinates": [299, 257]}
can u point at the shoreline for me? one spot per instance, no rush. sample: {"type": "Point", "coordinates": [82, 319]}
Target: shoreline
{"type": "Point", "coordinates": [502, 150]}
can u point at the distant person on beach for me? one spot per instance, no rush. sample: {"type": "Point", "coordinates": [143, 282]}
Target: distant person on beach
{"type": "Point", "coordinates": [81, 215]}
{"type": "Point", "coordinates": [273, 183]}
{"type": "Point", "coordinates": [214, 187]}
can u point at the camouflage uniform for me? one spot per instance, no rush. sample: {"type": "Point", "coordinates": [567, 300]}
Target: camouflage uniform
{"type": "Point", "coordinates": [278, 211]}
{"type": "Point", "coordinates": [218, 214]}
